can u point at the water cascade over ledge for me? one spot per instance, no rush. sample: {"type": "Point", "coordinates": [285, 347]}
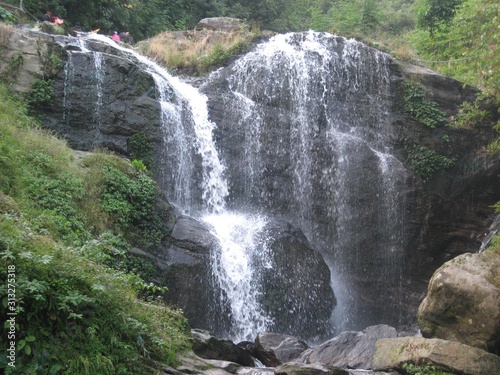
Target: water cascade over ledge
{"type": "Point", "coordinates": [296, 157]}
{"type": "Point", "coordinates": [313, 114]}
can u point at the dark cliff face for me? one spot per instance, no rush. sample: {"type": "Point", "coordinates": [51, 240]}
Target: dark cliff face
{"type": "Point", "coordinates": [306, 132]}
{"type": "Point", "coordinates": [101, 99]}
{"type": "Point", "coordinates": [314, 133]}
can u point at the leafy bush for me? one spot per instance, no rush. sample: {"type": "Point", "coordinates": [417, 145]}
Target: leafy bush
{"type": "Point", "coordinates": [471, 114]}
{"type": "Point", "coordinates": [413, 369]}
{"type": "Point", "coordinates": [417, 106]}
{"type": "Point", "coordinates": [6, 16]}
{"type": "Point", "coordinates": [41, 93]}
{"type": "Point", "coordinates": [65, 299]}
{"type": "Point", "coordinates": [426, 162]}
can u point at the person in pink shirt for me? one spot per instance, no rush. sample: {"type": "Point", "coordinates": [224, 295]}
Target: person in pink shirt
{"type": "Point", "coordinates": [116, 37]}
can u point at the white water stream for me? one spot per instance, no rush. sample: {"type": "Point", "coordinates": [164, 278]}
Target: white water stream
{"type": "Point", "coordinates": [241, 237]}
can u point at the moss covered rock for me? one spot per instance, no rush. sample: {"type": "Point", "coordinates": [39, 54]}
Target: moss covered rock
{"type": "Point", "coordinates": [449, 356]}
{"type": "Point", "coordinates": [463, 301]}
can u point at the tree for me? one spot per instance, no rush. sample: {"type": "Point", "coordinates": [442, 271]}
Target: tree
{"type": "Point", "coordinates": [432, 13]}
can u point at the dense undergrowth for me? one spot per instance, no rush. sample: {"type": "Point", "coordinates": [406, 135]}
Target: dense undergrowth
{"type": "Point", "coordinates": [70, 293]}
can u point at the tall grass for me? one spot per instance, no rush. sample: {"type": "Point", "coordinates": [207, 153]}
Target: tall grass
{"type": "Point", "coordinates": [197, 53]}
{"type": "Point", "coordinates": [5, 31]}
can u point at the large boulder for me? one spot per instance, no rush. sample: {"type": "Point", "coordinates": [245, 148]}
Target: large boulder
{"type": "Point", "coordinates": [211, 347]}
{"type": "Point", "coordinates": [349, 349]}
{"type": "Point", "coordinates": [297, 293]}
{"type": "Point", "coordinates": [227, 24]}
{"type": "Point", "coordinates": [275, 348]}
{"type": "Point", "coordinates": [448, 355]}
{"type": "Point", "coordinates": [463, 301]}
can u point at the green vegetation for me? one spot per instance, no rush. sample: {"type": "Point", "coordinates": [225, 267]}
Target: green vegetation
{"type": "Point", "coordinates": [426, 162]}
{"type": "Point", "coordinates": [41, 93]}
{"type": "Point", "coordinates": [463, 42]}
{"type": "Point", "coordinates": [413, 369]}
{"type": "Point", "coordinates": [473, 113]}
{"type": "Point", "coordinates": [83, 304]}
{"type": "Point", "coordinates": [416, 105]}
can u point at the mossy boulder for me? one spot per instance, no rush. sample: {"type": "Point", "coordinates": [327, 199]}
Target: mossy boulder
{"type": "Point", "coordinates": [449, 356]}
{"type": "Point", "coordinates": [463, 301]}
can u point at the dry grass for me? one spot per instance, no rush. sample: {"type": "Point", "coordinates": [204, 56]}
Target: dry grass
{"type": "Point", "coordinates": [196, 52]}
{"type": "Point", "coordinates": [5, 31]}
{"type": "Point", "coordinates": [405, 52]}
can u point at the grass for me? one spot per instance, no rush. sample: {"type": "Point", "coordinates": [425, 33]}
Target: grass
{"type": "Point", "coordinates": [5, 31]}
{"type": "Point", "coordinates": [83, 304]}
{"type": "Point", "coordinates": [197, 53]}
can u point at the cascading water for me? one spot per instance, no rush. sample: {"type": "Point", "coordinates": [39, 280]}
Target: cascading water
{"type": "Point", "coordinates": [308, 154]}
{"type": "Point", "coordinates": [98, 82]}
{"type": "Point", "coordinates": [321, 120]}
{"type": "Point", "coordinates": [243, 248]}
{"type": "Point", "coordinates": [99, 78]}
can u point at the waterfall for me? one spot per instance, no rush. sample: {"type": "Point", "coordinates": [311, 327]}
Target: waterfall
{"type": "Point", "coordinates": [243, 253]}
{"type": "Point", "coordinates": [310, 143]}
{"type": "Point", "coordinates": [242, 247]}
{"type": "Point", "coordinates": [329, 168]}
{"type": "Point", "coordinates": [99, 79]}
{"type": "Point", "coordinates": [98, 62]}
{"type": "Point", "coordinates": [68, 87]}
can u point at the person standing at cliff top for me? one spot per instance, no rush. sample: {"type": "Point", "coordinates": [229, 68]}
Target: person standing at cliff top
{"type": "Point", "coordinates": [47, 17]}
{"type": "Point", "coordinates": [116, 37]}
{"type": "Point", "coordinates": [126, 37]}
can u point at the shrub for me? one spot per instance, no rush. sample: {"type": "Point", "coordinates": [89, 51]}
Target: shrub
{"type": "Point", "coordinates": [41, 93]}
{"type": "Point", "coordinates": [426, 162]}
{"type": "Point", "coordinates": [416, 105]}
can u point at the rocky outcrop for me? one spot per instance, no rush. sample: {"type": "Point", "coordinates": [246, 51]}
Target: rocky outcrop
{"type": "Point", "coordinates": [298, 297]}
{"type": "Point", "coordinates": [447, 355]}
{"type": "Point", "coordinates": [273, 349]}
{"type": "Point", "coordinates": [211, 347]}
{"type": "Point", "coordinates": [308, 369]}
{"type": "Point", "coordinates": [226, 24]}
{"type": "Point", "coordinates": [297, 293]}
{"type": "Point", "coordinates": [317, 128]}
{"type": "Point", "coordinates": [463, 302]}
{"type": "Point", "coordinates": [349, 349]}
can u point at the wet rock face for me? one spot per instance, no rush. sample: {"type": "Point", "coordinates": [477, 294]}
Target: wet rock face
{"type": "Point", "coordinates": [314, 149]}
{"type": "Point", "coordinates": [298, 297]}
{"type": "Point", "coordinates": [291, 282]}
{"type": "Point", "coordinates": [101, 100]}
